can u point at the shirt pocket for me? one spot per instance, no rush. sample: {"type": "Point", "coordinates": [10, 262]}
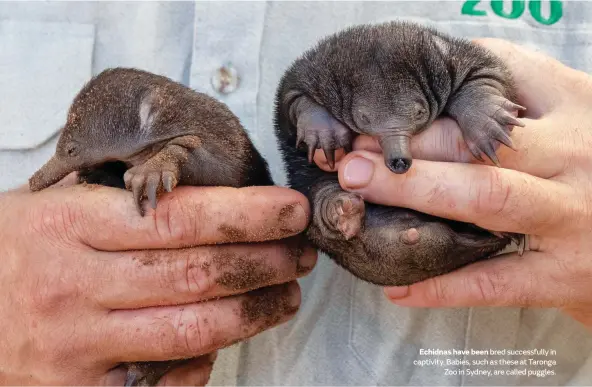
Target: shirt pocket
{"type": "Point", "coordinates": [42, 67]}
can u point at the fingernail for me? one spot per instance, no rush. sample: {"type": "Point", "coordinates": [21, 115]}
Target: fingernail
{"type": "Point", "coordinates": [396, 292]}
{"type": "Point", "coordinates": [292, 218]}
{"type": "Point", "coordinates": [295, 297]}
{"type": "Point", "coordinates": [358, 172]}
{"type": "Point", "coordinates": [307, 261]}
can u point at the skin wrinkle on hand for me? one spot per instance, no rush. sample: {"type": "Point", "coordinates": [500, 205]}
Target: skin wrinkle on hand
{"type": "Point", "coordinates": [243, 273]}
{"type": "Point", "coordinates": [268, 306]}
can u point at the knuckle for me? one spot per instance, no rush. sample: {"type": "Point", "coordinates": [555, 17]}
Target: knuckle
{"type": "Point", "coordinates": [573, 271]}
{"type": "Point", "coordinates": [438, 291]}
{"type": "Point", "coordinates": [490, 285]}
{"type": "Point", "coordinates": [450, 140]}
{"type": "Point", "coordinates": [571, 152]}
{"type": "Point", "coordinates": [564, 272]}
{"type": "Point", "coordinates": [54, 221]}
{"type": "Point", "coordinates": [193, 333]}
{"type": "Point", "coordinates": [437, 193]}
{"type": "Point", "coordinates": [188, 275]}
{"type": "Point", "coordinates": [176, 220]}
{"type": "Point", "coordinates": [522, 295]}
{"type": "Point", "coordinates": [53, 295]}
{"type": "Point", "coordinates": [493, 194]}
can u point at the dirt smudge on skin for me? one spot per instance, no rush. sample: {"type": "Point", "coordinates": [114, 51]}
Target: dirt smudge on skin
{"type": "Point", "coordinates": [295, 249]}
{"type": "Point", "coordinates": [148, 258]}
{"type": "Point", "coordinates": [287, 231]}
{"type": "Point", "coordinates": [267, 306]}
{"type": "Point", "coordinates": [91, 186]}
{"type": "Point", "coordinates": [296, 246]}
{"type": "Point", "coordinates": [286, 212]}
{"type": "Point", "coordinates": [206, 268]}
{"type": "Point", "coordinates": [241, 272]}
{"type": "Point", "coordinates": [285, 219]}
{"type": "Point", "coordinates": [232, 233]}
{"type": "Point", "coordinates": [282, 229]}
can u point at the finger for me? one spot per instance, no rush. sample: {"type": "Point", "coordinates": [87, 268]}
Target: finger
{"type": "Point", "coordinates": [529, 70]}
{"type": "Point", "coordinates": [493, 198]}
{"type": "Point", "coordinates": [534, 280]}
{"type": "Point", "coordinates": [177, 332]}
{"type": "Point", "coordinates": [442, 141]}
{"type": "Point", "coordinates": [195, 372]}
{"type": "Point", "coordinates": [538, 150]}
{"type": "Point", "coordinates": [141, 279]}
{"type": "Point", "coordinates": [106, 218]}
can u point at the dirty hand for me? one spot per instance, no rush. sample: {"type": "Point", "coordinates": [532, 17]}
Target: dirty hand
{"type": "Point", "coordinates": [544, 191]}
{"type": "Point", "coordinates": [86, 283]}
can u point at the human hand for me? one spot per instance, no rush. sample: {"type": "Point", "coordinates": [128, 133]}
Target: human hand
{"type": "Point", "coordinates": [87, 283]}
{"type": "Point", "coordinates": [544, 190]}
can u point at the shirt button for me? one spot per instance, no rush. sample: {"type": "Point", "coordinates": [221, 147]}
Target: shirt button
{"type": "Point", "coordinates": [225, 79]}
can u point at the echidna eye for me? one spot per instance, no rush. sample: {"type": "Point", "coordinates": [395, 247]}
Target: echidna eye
{"type": "Point", "coordinates": [72, 150]}
{"type": "Point", "coordinates": [420, 112]}
{"type": "Point", "coordinates": [364, 118]}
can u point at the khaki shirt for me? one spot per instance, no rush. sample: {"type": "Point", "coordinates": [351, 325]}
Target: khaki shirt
{"type": "Point", "coordinates": [346, 332]}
